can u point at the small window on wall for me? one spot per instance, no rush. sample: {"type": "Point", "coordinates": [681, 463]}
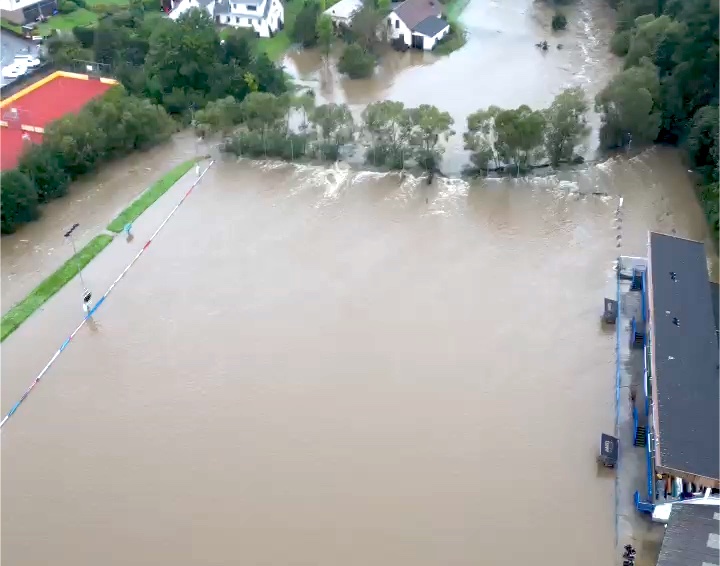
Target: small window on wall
{"type": "Point", "coordinates": [397, 24]}
{"type": "Point", "coordinates": [249, 22]}
{"type": "Point", "coordinates": [251, 8]}
{"type": "Point", "coordinates": [237, 20]}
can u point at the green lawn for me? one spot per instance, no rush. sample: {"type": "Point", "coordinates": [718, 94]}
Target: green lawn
{"type": "Point", "coordinates": [11, 26]}
{"type": "Point", "coordinates": [145, 200]}
{"type": "Point", "coordinates": [455, 8]}
{"type": "Point", "coordinates": [40, 295]}
{"type": "Point", "coordinates": [81, 17]}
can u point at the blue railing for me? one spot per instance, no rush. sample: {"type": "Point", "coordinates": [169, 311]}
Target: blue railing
{"type": "Point", "coordinates": [642, 506]}
{"type": "Point", "coordinates": [650, 473]}
{"type": "Point", "coordinates": [643, 292]}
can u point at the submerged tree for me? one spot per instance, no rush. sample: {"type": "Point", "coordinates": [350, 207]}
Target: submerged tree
{"type": "Point", "coordinates": [356, 62]}
{"type": "Point", "coordinates": [334, 123]}
{"type": "Point", "coordinates": [428, 126]}
{"type": "Point", "coordinates": [383, 122]}
{"type": "Point", "coordinates": [566, 124]}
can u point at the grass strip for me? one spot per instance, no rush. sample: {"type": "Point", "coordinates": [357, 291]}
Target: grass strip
{"type": "Point", "coordinates": [146, 200]}
{"type": "Point", "coordinates": [51, 285]}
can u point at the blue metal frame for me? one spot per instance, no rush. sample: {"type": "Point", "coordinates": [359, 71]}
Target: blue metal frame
{"type": "Point", "coordinates": [635, 423]}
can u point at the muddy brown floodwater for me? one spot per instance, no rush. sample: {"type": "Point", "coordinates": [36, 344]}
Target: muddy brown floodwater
{"type": "Point", "coordinates": [321, 366]}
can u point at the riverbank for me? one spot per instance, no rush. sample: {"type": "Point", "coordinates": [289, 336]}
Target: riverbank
{"type": "Point", "coordinates": [67, 272]}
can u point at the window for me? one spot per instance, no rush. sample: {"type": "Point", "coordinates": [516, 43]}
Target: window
{"type": "Point", "coordinates": [237, 20]}
{"type": "Point", "coordinates": [397, 24]}
{"type": "Point", "coordinates": [251, 7]}
{"type": "Point", "coordinates": [249, 22]}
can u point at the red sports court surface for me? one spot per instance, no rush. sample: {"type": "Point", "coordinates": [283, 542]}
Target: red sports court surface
{"type": "Point", "coordinates": [56, 98]}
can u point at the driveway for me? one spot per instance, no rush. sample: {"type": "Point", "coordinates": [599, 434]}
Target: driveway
{"type": "Point", "coordinates": [10, 46]}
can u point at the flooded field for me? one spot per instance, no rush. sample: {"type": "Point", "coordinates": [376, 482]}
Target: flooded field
{"type": "Point", "coordinates": [321, 366]}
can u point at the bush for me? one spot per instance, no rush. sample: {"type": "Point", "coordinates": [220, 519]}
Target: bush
{"type": "Point", "coordinates": [356, 63]}
{"type": "Point", "coordinates": [620, 43]}
{"type": "Point", "coordinates": [85, 35]}
{"type": "Point", "coordinates": [67, 7]}
{"type": "Point", "coordinates": [453, 41]}
{"type": "Point", "coordinates": [18, 201]}
{"type": "Point", "coordinates": [42, 167]}
{"type": "Point", "coordinates": [304, 31]}
{"type": "Point", "coordinates": [559, 21]}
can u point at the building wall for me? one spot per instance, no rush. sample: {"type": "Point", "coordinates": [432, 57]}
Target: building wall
{"type": "Point", "coordinates": [12, 5]}
{"type": "Point", "coordinates": [398, 29]}
{"type": "Point", "coordinates": [430, 42]}
{"type": "Point", "coordinates": [263, 27]}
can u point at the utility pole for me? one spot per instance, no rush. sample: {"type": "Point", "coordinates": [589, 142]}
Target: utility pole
{"type": "Point", "coordinates": [87, 295]}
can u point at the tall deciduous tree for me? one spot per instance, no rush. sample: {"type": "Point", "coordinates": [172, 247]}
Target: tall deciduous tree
{"type": "Point", "coordinates": [18, 200]}
{"type": "Point", "coordinates": [428, 126]}
{"type": "Point", "coordinates": [628, 106]}
{"type": "Point", "coordinates": [325, 34]}
{"type": "Point", "coordinates": [566, 124]}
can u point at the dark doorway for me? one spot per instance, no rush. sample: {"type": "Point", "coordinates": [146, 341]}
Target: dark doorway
{"type": "Point", "coordinates": [417, 41]}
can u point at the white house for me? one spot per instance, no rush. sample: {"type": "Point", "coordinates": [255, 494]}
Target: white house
{"type": "Point", "coordinates": [25, 11]}
{"type": "Point", "coordinates": [418, 24]}
{"type": "Point", "coordinates": [264, 17]}
{"type": "Point", "coordinates": [343, 11]}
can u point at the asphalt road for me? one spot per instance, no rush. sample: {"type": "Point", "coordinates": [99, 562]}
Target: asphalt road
{"type": "Point", "coordinates": [10, 46]}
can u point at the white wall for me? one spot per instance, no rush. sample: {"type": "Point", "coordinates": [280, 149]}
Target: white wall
{"type": "Point", "coordinates": [11, 5]}
{"type": "Point", "coordinates": [243, 8]}
{"type": "Point", "coordinates": [429, 42]}
{"type": "Point", "coordinates": [263, 27]}
{"type": "Point", "coordinates": [399, 29]}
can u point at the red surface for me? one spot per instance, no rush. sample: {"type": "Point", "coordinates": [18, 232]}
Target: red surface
{"type": "Point", "coordinates": [53, 100]}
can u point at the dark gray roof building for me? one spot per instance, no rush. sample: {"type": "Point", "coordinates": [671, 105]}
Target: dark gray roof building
{"type": "Point", "coordinates": [431, 26]}
{"type": "Point", "coordinates": [691, 537]}
{"type": "Point", "coordinates": [684, 361]}
{"type": "Point", "coordinates": [413, 12]}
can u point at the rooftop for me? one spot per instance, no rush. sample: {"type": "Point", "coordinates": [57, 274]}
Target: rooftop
{"type": "Point", "coordinates": [431, 26]}
{"type": "Point", "coordinates": [344, 9]}
{"type": "Point", "coordinates": [412, 12]}
{"type": "Point", "coordinates": [30, 110]}
{"type": "Point", "coordinates": [685, 350]}
{"type": "Point", "coordinates": [691, 537]}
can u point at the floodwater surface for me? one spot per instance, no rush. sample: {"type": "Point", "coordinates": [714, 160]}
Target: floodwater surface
{"type": "Point", "coordinates": [320, 366]}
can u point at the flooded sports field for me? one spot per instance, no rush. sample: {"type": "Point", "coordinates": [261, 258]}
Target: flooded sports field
{"type": "Point", "coordinates": [325, 366]}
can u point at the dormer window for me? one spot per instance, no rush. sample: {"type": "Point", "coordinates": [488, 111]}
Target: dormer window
{"type": "Point", "coordinates": [251, 7]}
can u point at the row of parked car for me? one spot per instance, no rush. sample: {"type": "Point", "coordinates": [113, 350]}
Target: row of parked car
{"type": "Point", "coordinates": [23, 63]}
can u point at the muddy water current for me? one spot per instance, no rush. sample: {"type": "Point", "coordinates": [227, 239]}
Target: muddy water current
{"type": "Point", "coordinates": [323, 366]}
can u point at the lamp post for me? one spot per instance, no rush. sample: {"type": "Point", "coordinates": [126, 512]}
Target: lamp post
{"type": "Point", "coordinates": [87, 295]}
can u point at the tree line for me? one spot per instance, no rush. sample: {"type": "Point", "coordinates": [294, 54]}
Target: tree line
{"type": "Point", "coordinates": [167, 69]}
{"type": "Point", "coordinates": [181, 65]}
{"type": "Point", "coordinates": [394, 136]}
{"type": "Point", "coordinates": [105, 129]}
{"type": "Point", "coordinates": [667, 91]}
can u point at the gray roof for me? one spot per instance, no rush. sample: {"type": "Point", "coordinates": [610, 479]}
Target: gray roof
{"type": "Point", "coordinates": [412, 12]}
{"type": "Point", "coordinates": [686, 357]}
{"type": "Point", "coordinates": [691, 537]}
{"type": "Point", "coordinates": [222, 8]}
{"type": "Point", "coordinates": [430, 26]}
{"type": "Point", "coordinates": [715, 294]}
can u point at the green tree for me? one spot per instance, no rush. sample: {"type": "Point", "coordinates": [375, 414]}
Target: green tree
{"type": "Point", "coordinates": [628, 106]}
{"type": "Point", "coordinates": [566, 124]}
{"type": "Point", "coordinates": [703, 143]}
{"type": "Point", "coordinates": [325, 34]}
{"type": "Point", "coordinates": [221, 115]}
{"type": "Point", "coordinates": [649, 34]}
{"type": "Point", "coordinates": [304, 31]}
{"type": "Point", "coordinates": [356, 63]}
{"type": "Point", "coordinates": [383, 122]}
{"type": "Point", "coordinates": [334, 124]}
{"type": "Point", "coordinates": [480, 138]}
{"type": "Point", "coordinates": [520, 135]}
{"type": "Point", "coordinates": [238, 47]}
{"type": "Point", "coordinates": [183, 61]}
{"type": "Point", "coordinates": [365, 25]}
{"type": "Point", "coordinates": [18, 200]}
{"type": "Point", "coordinates": [43, 169]}
{"type": "Point", "coordinates": [559, 21]}
{"type": "Point", "coordinates": [428, 127]}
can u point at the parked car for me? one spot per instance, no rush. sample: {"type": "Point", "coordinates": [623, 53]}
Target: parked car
{"type": "Point", "coordinates": [26, 60]}
{"type": "Point", "coordinates": [13, 71]}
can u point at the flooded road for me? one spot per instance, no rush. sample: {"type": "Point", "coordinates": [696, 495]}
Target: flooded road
{"type": "Point", "coordinates": [320, 366]}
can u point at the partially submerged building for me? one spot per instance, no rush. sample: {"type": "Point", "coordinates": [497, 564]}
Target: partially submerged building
{"type": "Point", "coordinates": [418, 24]}
{"type": "Point", "coordinates": [692, 536]}
{"type": "Point", "coordinates": [681, 397]}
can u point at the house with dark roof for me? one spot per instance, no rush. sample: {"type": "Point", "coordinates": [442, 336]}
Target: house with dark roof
{"type": "Point", "coordinates": [682, 382]}
{"type": "Point", "coordinates": [264, 17]}
{"type": "Point", "coordinates": [418, 24]}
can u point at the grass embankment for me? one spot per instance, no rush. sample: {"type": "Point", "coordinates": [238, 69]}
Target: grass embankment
{"type": "Point", "coordinates": [43, 292]}
{"type": "Point", "coordinates": [11, 26]}
{"type": "Point", "coordinates": [146, 200]}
